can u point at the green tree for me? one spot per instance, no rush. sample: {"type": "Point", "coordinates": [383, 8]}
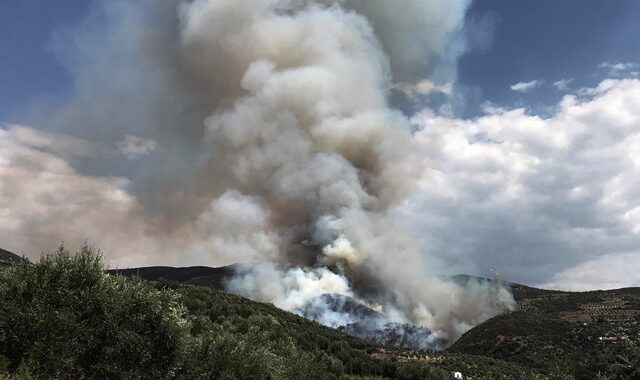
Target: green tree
{"type": "Point", "coordinates": [63, 317]}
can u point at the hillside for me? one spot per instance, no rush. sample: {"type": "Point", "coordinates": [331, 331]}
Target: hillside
{"type": "Point", "coordinates": [64, 316]}
{"type": "Point", "coordinates": [581, 333]}
{"type": "Point", "coordinates": [198, 275]}
{"type": "Point", "coordinates": [8, 257]}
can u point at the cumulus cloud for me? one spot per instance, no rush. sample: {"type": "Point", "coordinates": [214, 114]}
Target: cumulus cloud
{"type": "Point", "coordinates": [534, 197]}
{"type": "Point", "coordinates": [621, 69]}
{"type": "Point", "coordinates": [562, 84]}
{"type": "Point", "coordinates": [525, 86]}
{"type": "Point", "coordinates": [54, 143]}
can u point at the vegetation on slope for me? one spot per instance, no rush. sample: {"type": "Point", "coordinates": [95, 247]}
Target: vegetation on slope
{"type": "Point", "coordinates": [64, 317]}
{"type": "Point", "coordinates": [581, 334]}
{"type": "Point", "coordinates": [199, 275]}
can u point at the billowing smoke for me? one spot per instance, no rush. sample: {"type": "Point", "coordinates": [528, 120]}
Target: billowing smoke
{"type": "Point", "coordinates": [264, 134]}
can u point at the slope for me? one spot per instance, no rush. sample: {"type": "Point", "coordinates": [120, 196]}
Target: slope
{"type": "Point", "coordinates": [8, 257]}
{"type": "Point", "coordinates": [63, 317]}
{"type": "Point", "coordinates": [579, 333]}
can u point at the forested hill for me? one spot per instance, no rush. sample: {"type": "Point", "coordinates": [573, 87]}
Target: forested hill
{"type": "Point", "coordinates": [212, 277]}
{"type": "Point", "coordinates": [579, 333]}
{"type": "Point", "coordinates": [64, 316]}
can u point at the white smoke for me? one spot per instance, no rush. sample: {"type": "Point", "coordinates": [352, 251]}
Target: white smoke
{"type": "Point", "coordinates": [293, 289]}
{"type": "Point", "coordinates": [278, 143]}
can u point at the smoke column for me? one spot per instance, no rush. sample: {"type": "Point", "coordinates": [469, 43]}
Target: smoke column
{"type": "Point", "coordinates": [270, 139]}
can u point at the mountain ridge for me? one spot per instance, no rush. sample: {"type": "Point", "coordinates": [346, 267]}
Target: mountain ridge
{"type": "Point", "coordinates": [8, 257]}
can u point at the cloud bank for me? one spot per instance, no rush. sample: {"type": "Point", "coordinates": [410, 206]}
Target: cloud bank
{"type": "Point", "coordinates": [621, 69]}
{"type": "Point", "coordinates": [540, 199]}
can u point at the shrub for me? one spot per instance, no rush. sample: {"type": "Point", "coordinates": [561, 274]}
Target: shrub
{"type": "Point", "coordinates": [64, 317]}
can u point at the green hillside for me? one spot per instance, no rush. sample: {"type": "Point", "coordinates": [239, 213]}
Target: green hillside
{"type": "Point", "coordinates": [555, 333]}
{"type": "Point", "coordinates": [199, 275]}
{"type": "Point", "coordinates": [65, 317]}
{"type": "Point", "coordinates": [584, 334]}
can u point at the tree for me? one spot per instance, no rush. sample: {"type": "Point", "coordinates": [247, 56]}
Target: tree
{"type": "Point", "coordinates": [65, 317]}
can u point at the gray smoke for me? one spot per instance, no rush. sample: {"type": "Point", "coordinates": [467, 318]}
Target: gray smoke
{"type": "Point", "coordinates": [262, 132]}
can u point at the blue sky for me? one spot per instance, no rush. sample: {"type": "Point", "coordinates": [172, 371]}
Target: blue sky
{"type": "Point", "coordinates": [548, 40]}
{"type": "Point", "coordinates": [28, 66]}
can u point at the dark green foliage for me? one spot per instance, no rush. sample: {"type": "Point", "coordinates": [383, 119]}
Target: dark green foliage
{"type": "Point", "coordinates": [252, 350]}
{"type": "Point", "coordinates": [64, 317]}
{"type": "Point", "coordinates": [198, 275]}
{"type": "Point", "coordinates": [320, 352]}
{"type": "Point", "coordinates": [418, 371]}
{"type": "Point", "coordinates": [579, 335]}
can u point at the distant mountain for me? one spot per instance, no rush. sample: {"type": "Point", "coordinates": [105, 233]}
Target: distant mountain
{"type": "Point", "coordinates": [198, 275]}
{"type": "Point", "coordinates": [8, 257]}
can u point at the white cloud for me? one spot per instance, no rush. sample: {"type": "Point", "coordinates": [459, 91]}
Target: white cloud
{"type": "Point", "coordinates": [525, 86]}
{"type": "Point", "coordinates": [621, 69]}
{"type": "Point", "coordinates": [532, 196]}
{"type": "Point", "coordinates": [562, 84]}
{"type": "Point", "coordinates": [60, 145]}
{"type": "Point", "coordinates": [607, 272]}
{"type": "Point", "coordinates": [490, 108]}
{"type": "Point", "coordinates": [422, 88]}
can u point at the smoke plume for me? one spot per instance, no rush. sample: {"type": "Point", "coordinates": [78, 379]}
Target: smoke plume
{"type": "Point", "coordinates": [262, 132]}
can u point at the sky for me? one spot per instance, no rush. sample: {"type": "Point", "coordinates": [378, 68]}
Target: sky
{"type": "Point", "coordinates": [547, 41]}
{"type": "Point", "coordinates": [525, 119]}
{"type": "Point", "coordinates": [29, 69]}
